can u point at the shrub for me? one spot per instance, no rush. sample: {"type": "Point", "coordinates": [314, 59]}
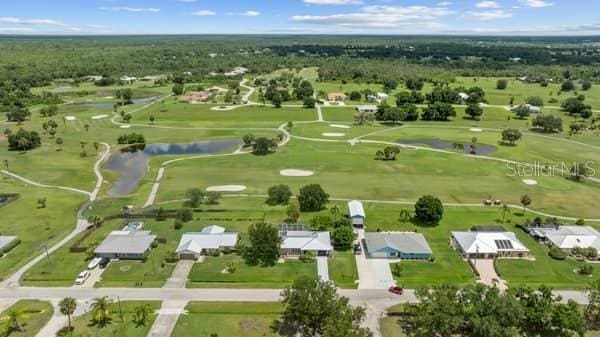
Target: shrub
{"type": "Point", "coordinates": [429, 209]}
{"type": "Point", "coordinates": [178, 225]}
{"type": "Point", "coordinates": [557, 254]}
{"type": "Point", "coordinates": [587, 269]}
{"type": "Point", "coordinates": [307, 257]}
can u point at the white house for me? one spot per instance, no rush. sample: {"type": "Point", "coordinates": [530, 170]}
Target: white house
{"type": "Point", "coordinates": [297, 240]}
{"type": "Point", "coordinates": [568, 238]}
{"type": "Point", "coordinates": [125, 245]}
{"type": "Point", "coordinates": [367, 108]}
{"type": "Point", "coordinates": [210, 239]}
{"type": "Point", "coordinates": [532, 108]}
{"type": "Point", "coordinates": [382, 96]}
{"type": "Point", "coordinates": [356, 213]}
{"type": "Point", "coordinates": [128, 79]}
{"type": "Point", "coordinates": [463, 96]}
{"type": "Point", "coordinates": [477, 244]}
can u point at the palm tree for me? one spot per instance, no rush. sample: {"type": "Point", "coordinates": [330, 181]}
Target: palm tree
{"type": "Point", "coordinates": [13, 321]}
{"type": "Point", "coordinates": [67, 307]}
{"type": "Point", "coordinates": [101, 310]}
{"type": "Point", "coordinates": [5, 162]}
{"type": "Point", "coordinates": [525, 201]}
{"type": "Point", "coordinates": [95, 220]}
{"type": "Point", "coordinates": [335, 211]}
{"type": "Point", "coordinates": [505, 210]}
{"type": "Point", "coordinates": [141, 313]}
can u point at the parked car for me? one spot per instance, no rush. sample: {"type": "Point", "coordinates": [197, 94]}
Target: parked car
{"type": "Point", "coordinates": [82, 277]}
{"type": "Point", "coordinates": [103, 262]}
{"type": "Point", "coordinates": [357, 249]}
{"type": "Point", "coordinates": [396, 290]}
{"type": "Point", "coordinates": [94, 263]}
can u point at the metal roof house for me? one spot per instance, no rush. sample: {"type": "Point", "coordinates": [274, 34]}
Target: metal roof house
{"type": "Point", "coordinates": [210, 239]}
{"type": "Point", "coordinates": [397, 245]}
{"type": "Point", "coordinates": [297, 240]}
{"type": "Point", "coordinates": [7, 243]}
{"type": "Point", "coordinates": [477, 244]}
{"type": "Point", "coordinates": [356, 213]}
{"type": "Point", "coordinates": [367, 108]}
{"type": "Point", "coordinates": [568, 238]}
{"type": "Point", "coordinates": [126, 245]}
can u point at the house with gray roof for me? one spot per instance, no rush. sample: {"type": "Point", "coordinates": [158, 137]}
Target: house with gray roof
{"type": "Point", "coordinates": [8, 242]}
{"type": "Point", "coordinates": [297, 240]}
{"type": "Point", "coordinates": [210, 239]}
{"type": "Point", "coordinates": [397, 245]}
{"type": "Point", "coordinates": [568, 238]}
{"type": "Point", "coordinates": [126, 245]}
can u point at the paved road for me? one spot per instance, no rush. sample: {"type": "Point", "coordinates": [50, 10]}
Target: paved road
{"type": "Point", "coordinates": [36, 184]}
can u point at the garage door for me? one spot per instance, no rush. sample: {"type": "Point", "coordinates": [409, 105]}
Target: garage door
{"type": "Point", "coordinates": [187, 256]}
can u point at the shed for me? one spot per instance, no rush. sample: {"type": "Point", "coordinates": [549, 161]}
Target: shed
{"type": "Point", "coordinates": [356, 213]}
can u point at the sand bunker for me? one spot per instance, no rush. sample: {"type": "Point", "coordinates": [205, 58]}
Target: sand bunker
{"type": "Point", "coordinates": [99, 117]}
{"type": "Point", "coordinates": [227, 188]}
{"type": "Point", "coordinates": [475, 130]}
{"type": "Point", "coordinates": [340, 126]}
{"type": "Point", "coordinates": [109, 97]}
{"type": "Point", "coordinates": [125, 126]}
{"type": "Point", "coordinates": [70, 118]}
{"type": "Point", "coordinates": [529, 182]}
{"type": "Point", "coordinates": [333, 134]}
{"type": "Point", "coordinates": [296, 173]}
{"type": "Point", "coordinates": [224, 107]}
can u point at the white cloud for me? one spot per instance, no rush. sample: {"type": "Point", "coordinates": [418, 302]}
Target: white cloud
{"type": "Point", "coordinates": [591, 28]}
{"type": "Point", "coordinates": [488, 15]}
{"type": "Point", "coordinates": [16, 30]}
{"type": "Point", "coordinates": [32, 22]}
{"type": "Point", "coordinates": [204, 12]}
{"type": "Point", "coordinates": [246, 13]}
{"type": "Point", "coordinates": [333, 2]}
{"type": "Point", "coordinates": [444, 4]}
{"type": "Point", "coordinates": [381, 17]}
{"type": "Point", "coordinates": [487, 4]}
{"type": "Point", "coordinates": [130, 9]}
{"type": "Point", "coordinates": [536, 3]}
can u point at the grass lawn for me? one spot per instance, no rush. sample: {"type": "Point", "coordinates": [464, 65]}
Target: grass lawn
{"type": "Point", "coordinates": [85, 327]}
{"type": "Point", "coordinates": [34, 226]}
{"type": "Point", "coordinates": [210, 273]}
{"type": "Point", "coordinates": [248, 319]}
{"type": "Point", "coordinates": [35, 314]}
{"type": "Point", "coordinates": [342, 269]}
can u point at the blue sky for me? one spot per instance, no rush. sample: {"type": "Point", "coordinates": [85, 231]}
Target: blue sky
{"type": "Point", "coordinates": [512, 17]}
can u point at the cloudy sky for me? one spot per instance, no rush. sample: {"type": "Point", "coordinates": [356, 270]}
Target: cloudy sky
{"type": "Point", "coordinates": [513, 17]}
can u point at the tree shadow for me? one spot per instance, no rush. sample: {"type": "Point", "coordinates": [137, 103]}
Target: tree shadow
{"type": "Point", "coordinates": [283, 328]}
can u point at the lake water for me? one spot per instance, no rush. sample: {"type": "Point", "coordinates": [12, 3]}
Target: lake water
{"type": "Point", "coordinates": [132, 162]}
{"type": "Point", "coordinates": [480, 149]}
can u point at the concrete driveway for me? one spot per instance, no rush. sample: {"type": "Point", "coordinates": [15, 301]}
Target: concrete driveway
{"type": "Point", "coordinates": [179, 276]}
{"type": "Point", "coordinates": [487, 273]}
{"type": "Point", "coordinates": [323, 267]}
{"type": "Point", "coordinates": [372, 273]}
{"type": "Point", "coordinates": [95, 276]}
{"type": "Point", "coordinates": [167, 318]}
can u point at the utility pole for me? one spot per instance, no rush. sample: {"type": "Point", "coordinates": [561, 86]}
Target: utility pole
{"type": "Point", "coordinates": [45, 247]}
{"type": "Point", "coordinates": [120, 310]}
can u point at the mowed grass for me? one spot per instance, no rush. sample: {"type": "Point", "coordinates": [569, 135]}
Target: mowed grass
{"type": "Point", "coordinates": [34, 315]}
{"type": "Point", "coordinates": [84, 325]}
{"type": "Point", "coordinates": [211, 273]}
{"type": "Point", "coordinates": [34, 226]}
{"type": "Point", "coordinates": [352, 172]}
{"type": "Point", "coordinates": [249, 319]}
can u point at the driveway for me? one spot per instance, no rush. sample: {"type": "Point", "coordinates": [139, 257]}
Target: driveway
{"type": "Point", "coordinates": [95, 276]}
{"type": "Point", "coordinates": [372, 273]}
{"type": "Point", "coordinates": [179, 276]}
{"type": "Point", "coordinates": [323, 268]}
{"type": "Point", "coordinates": [167, 318]}
{"type": "Point", "coordinates": [487, 273]}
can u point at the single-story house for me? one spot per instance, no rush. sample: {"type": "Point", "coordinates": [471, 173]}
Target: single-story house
{"type": "Point", "coordinates": [8, 242]}
{"type": "Point", "coordinates": [463, 96]}
{"type": "Point", "coordinates": [128, 79]}
{"type": "Point", "coordinates": [488, 244]}
{"type": "Point", "coordinates": [237, 71]}
{"type": "Point", "coordinates": [297, 240]}
{"type": "Point", "coordinates": [195, 97]}
{"type": "Point", "coordinates": [568, 238]}
{"type": "Point", "coordinates": [397, 245]}
{"type": "Point", "coordinates": [382, 96]}
{"type": "Point", "coordinates": [356, 213]}
{"type": "Point", "coordinates": [532, 108]}
{"type": "Point", "coordinates": [367, 108]}
{"type": "Point", "coordinates": [209, 240]}
{"type": "Point", "coordinates": [126, 245]}
{"type": "Point", "coordinates": [336, 97]}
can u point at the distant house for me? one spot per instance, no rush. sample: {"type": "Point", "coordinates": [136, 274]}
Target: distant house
{"type": "Point", "coordinates": [568, 238]}
{"type": "Point", "coordinates": [297, 240]}
{"type": "Point", "coordinates": [356, 213]}
{"type": "Point", "coordinates": [149, 78]}
{"type": "Point", "coordinates": [8, 242]}
{"type": "Point", "coordinates": [236, 72]}
{"type": "Point", "coordinates": [367, 108]}
{"type": "Point", "coordinates": [126, 245]}
{"type": "Point", "coordinates": [93, 78]}
{"type": "Point", "coordinates": [128, 79]}
{"type": "Point", "coordinates": [397, 245]}
{"type": "Point", "coordinates": [488, 244]}
{"type": "Point", "coordinates": [196, 97]}
{"type": "Point", "coordinates": [463, 96]}
{"type": "Point", "coordinates": [382, 96]}
{"type": "Point", "coordinates": [336, 97]}
{"type": "Point", "coordinates": [532, 108]}
{"type": "Point", "coordinates": [210, 239]}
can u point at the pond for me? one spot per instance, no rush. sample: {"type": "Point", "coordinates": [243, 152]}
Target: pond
{"type": "Point", "coordinates": [106, 105]}
{"type": "Point", "coordinates": [480, 149]}
{"type": "Point", "coordinates": [131, 163]}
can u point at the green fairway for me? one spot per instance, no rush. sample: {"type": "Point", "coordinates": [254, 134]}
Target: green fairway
{"type": "Point", "coordinates": [229, 319]}
{"type": "Point", "coordinates": [36, 227]}
{"type": "Point", "coordinates": [211, 273]}
{"type": "Point", "coordinates": [85, 326]}
{"type": "Point", "coordinates": [33, 315]}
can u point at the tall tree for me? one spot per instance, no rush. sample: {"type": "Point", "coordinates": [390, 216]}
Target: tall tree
{"type": "Point", "coordinates": [67, 307]}
{"type": "Point", "coordinates": [264, 244]}
{"type": "Point", "coordinates": [312, 198]}
{"type": "Point", "coordinates": [101, 310]}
